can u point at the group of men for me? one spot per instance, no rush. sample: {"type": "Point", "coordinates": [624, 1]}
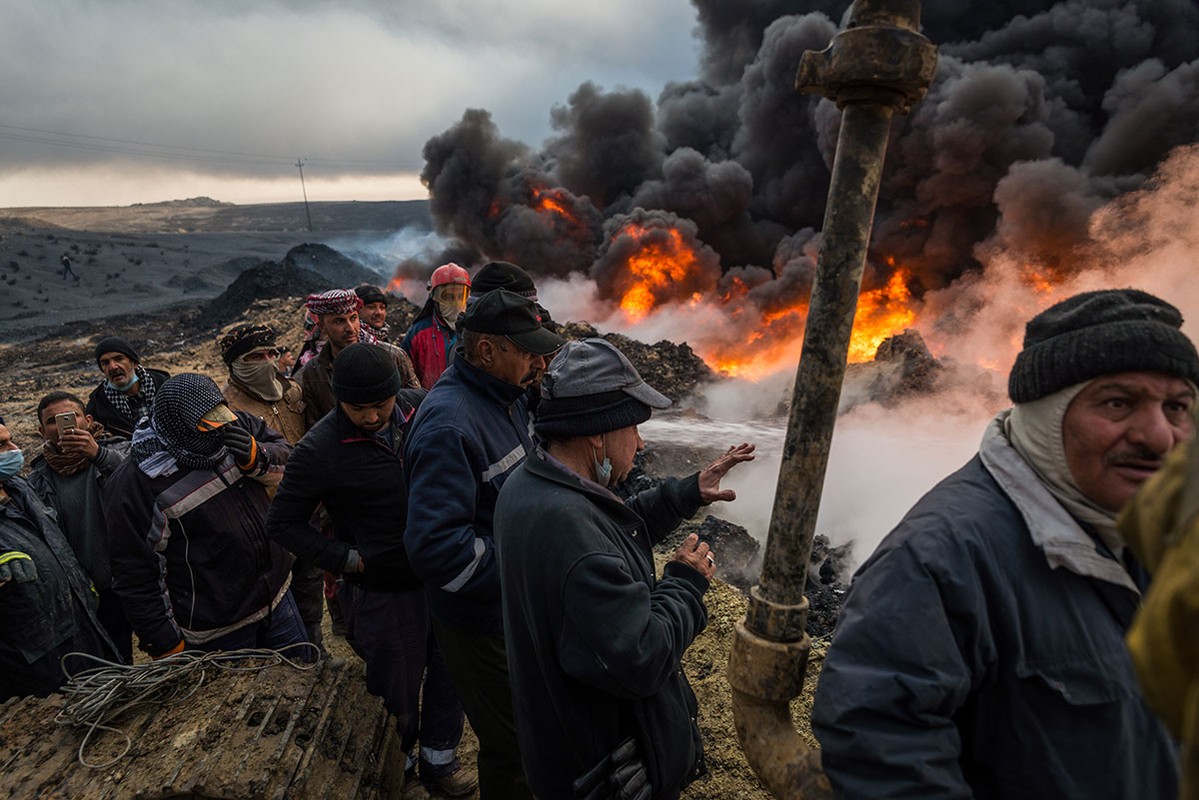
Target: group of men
{"type": "Point", "coordinates": [459, 489]}
{"type": "Point", "coordinates": [207, 517]}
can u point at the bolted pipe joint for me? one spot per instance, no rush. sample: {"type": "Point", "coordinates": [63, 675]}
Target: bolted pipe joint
{"type": "Point", "coordinates": [880, 57]}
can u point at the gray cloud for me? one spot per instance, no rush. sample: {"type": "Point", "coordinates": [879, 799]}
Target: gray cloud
{"type": "Point", "coordinates": [357, 87]}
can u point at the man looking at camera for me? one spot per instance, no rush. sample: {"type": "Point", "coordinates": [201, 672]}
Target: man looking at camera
{"type": "Point", "coordinates": [336, 312]}
{"type": "Point", "coordinates": [126, 394]}
{"type": "Point", "coordinates": [594, 640]}
{"type": "Point", "coordinates": [980, 651]}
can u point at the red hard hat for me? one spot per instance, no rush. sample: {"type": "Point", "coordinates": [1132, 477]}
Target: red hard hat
{"type": "Point", "coordinates": [447, 274]}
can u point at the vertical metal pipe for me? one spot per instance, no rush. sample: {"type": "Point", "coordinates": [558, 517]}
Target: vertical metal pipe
{"type": "Point", "coordinates": [877, 65]}
{"type": "Point", "coordinates": [857, 171]}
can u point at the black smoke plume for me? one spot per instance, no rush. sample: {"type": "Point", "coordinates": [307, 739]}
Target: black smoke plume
{"type": "Point", "coordinates": [1040, 112]}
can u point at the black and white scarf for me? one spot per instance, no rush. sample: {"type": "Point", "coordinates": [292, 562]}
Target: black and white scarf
{"type": "Point", "coordinates": [170, 437]}
{"type": "Point", "coordinates": [145, 395]}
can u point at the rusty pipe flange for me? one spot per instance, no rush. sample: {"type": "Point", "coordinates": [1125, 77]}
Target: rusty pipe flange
{"type": "Point", "coordinates": [766, 670]}
{"type": "Point", "coordinates": [889, 64]}
{"type": "Point", "coordinates": [775, 621]}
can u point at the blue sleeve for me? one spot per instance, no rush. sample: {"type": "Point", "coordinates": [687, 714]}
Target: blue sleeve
{"type": "Point", "coordinates": [893, 680]}
{"type": "Point", "coordinates": [444, 548]}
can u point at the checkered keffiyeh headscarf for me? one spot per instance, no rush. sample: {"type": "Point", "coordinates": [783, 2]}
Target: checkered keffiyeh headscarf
{"type": "Point", "coordinates": [180, 404]}
{"type": "Point", "coordinates": [145, 395]}
{"type": "Point", "coordinates": [334, 301]}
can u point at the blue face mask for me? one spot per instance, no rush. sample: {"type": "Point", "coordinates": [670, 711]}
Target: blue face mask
{"type": "Point", "coordinates": [603, 469]}
{"type": "Point", "coordinates": [132, 382]}
{"type": "Point", "coordinates": [11, 462]}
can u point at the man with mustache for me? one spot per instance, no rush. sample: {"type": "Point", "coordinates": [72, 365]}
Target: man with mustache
{"type": "Point", "coordinates": [980, 651]}
{"type": "Point", "coordinates": [69, 475]}
{"type": "Point", "coordinates": [468, 437]}
{"type": "Point", "coordinates": [125, 396]}
{"type": "Point", "coordinates": [336, 312]}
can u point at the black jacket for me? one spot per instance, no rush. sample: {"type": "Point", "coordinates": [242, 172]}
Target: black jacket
{"type": "Point", "coordinates": [361, 483]}
{"type": "Point", "coordinates": [104, 412]}
{"type": "Point", "coordinates": [980, 653]}
{"type": "Point", "coordinates": [45, 619]}
{"type": "Point", "coordinates": [190, 556]}
{"type": "Point", "coordinates": [594, 640]}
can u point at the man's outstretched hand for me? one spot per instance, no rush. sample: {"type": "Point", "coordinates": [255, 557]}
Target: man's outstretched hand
{"type": "Point", "coordinates": [711, 475]}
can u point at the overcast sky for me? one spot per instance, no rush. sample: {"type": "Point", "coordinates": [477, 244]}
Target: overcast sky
{"type": "Point", "coordinates": [115, 101]}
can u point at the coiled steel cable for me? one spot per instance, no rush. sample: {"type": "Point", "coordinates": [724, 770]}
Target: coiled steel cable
{"type": "Point", "coordinates": [98, 695]}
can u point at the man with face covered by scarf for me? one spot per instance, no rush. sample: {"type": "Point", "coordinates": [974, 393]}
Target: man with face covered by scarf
{"type": "Point", "coordinates": [257, 387]}
{"type": "Point", "coordinates": [980, 651]}
{"type": "Point", "coordinates": [126, 394]}
{"type": "Point", "coordinates": [191, 561]}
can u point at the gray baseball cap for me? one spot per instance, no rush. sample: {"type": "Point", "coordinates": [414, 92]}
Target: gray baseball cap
{"type": "Point", "coordinates": [591, 388]}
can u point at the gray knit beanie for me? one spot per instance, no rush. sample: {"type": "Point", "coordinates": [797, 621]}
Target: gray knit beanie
{"type": "Point", "coordinates": [1100, 333]}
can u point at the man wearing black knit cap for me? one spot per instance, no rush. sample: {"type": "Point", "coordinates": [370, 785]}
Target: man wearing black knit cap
{"type": "Point", "coordinates": [126, 394]}
{"type": "Point", "coordinates": [980, 651]}
{"type": "Point", "coordinates": [351, 462]}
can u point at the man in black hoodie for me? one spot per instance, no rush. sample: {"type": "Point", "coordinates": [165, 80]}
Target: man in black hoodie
{"type": "Point", "coordinates": [351, 461]}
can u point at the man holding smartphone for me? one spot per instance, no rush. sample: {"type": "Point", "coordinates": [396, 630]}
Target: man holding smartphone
{"type": "Point", "coordinates": [77, 457]}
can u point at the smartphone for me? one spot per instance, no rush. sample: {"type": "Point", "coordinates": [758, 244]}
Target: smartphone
{"type": "Point", "coordinates": [65, 422]}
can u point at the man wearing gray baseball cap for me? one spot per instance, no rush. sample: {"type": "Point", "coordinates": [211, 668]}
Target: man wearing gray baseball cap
{"type": "Point", "coordinates": [594, 639]}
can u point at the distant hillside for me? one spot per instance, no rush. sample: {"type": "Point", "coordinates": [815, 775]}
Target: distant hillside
{"type": "Point", "coordinates": [204, 215]}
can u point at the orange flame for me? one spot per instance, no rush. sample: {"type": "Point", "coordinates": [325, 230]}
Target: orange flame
{"type": "Point", "coordinates": [395, 286]}
{"type": "Point", "coordinates": [747, 340]}
{"type": "Point", "coordinates": [652, 270]}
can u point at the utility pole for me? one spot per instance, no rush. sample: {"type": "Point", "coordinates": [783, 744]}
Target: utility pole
{"type": "Point", "coordinates": [307, 213]}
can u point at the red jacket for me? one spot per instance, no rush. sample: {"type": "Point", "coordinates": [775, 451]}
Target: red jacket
{"type": "Point", "coordinates": [430, 344]}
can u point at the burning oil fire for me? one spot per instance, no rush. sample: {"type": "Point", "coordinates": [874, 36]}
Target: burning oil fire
{"type": "Point", "coordinates": [760, 339]}
{"type": "Point", "coordinates": [653, 270]}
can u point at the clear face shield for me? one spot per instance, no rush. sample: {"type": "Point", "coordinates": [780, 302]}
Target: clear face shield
{"type": "Point", "coordinates": [451, 300]}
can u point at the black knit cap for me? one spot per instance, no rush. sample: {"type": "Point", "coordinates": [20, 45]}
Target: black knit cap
{"type": "Point", "coordinates": [115, 344]}
{"type": "Point", "coordinates": [503, 275]}
{"type": "Point", "coordinates": [1100, 333]}
{"type": "Point", "coordinates": [370, 294]}
{"type": "Point", "coordinates": [363, 374]}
